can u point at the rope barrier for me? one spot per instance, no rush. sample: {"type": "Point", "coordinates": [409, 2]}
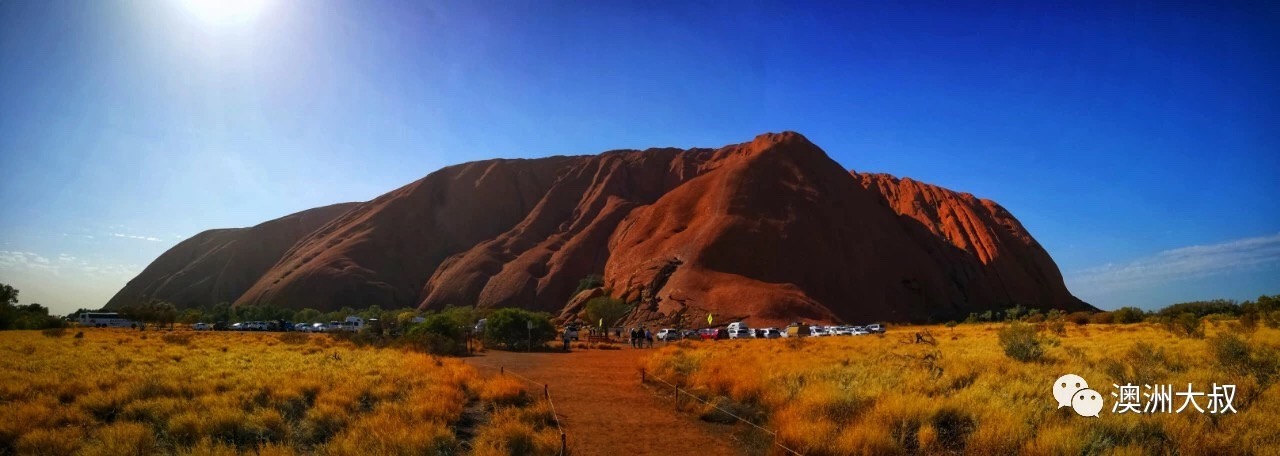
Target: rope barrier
{"type": "Point", "coordinates": [546, 393]}
{"type": "Point", "coordinates": [676, 398]}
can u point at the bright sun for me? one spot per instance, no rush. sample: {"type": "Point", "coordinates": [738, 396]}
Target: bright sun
{"type": "Point", "coordinates": [226, 11]}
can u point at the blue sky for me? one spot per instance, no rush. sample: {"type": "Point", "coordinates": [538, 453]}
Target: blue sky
{"type": "Point", "coordinates": [1137, 143]}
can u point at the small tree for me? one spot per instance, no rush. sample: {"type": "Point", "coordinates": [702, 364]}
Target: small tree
{"type": "Point", "coordinates": [307, 315]}
{"type": "Point", "coordinates": [1014, 313]}
{"type": "Point", "coordinates": [1185, 324]}
{"type": "Point", "coordinates": [1125, 315]}
{"type": "Point", "coordinates": [606, 308]}
{"type": "Point", "coordinates": [1021, 342]}
{"type": "Point", "coordinates": [587, 283]}
{"type": "Point", "coordinates": [509, 327]}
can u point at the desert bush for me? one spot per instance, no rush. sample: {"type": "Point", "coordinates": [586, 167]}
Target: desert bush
{"type": "Point", "coordinates": [1238, 356]}
{"type": "Point", "coordinates": [503, 390]}
{"type": "Point", "coordinates": [50, 442]}
{"type": "Point", "coordinates": [508, 327]}
{"type": "Point", "coordinates": [176, 338]}
{"type": "Point", "coordinates": [121, 438]}
{"type": "Point", "coordinates": [294, 338]}
{"type": "Point", "coordinates": [1079, 318]}
{"type": "Point", "coordinates": [607, 309]}
{"type": "Point", "coordinates": [54, 332]}
{"type": "Point", "coordinates": [1021, 342]}
{"type": "Point", "coordinates": [1185, 324]}
{"type": "Point", "coordinates": [510, 433]}
{"type": "Point", "coordinates": [587, 283]}
{"type": "Point", "coordinates": [1126, 315]}
{"type": "Point", "coordinates": [441, 334]}
{"type": "Point", "coordinates": [1102, 318]}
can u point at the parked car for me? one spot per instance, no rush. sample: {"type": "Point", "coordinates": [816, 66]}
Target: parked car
{"type": "Point", "coordinates": [841, 331]}
{"type": "Point", "coordinates": [237, 327]}
{"type": "Point", "coordinates": [333, 326]}
{"type": "Point", "coordinates": [713, 333]}
{"type": "Point", "coordinates": [200, 326]}
{"type": "Point", "coordinates": [302, 327]}
{"type": "Point", "coordinates": [319, 327]}
{"type": "Point", "coordinates": [859, 331]}
{"type": "Point", "coordinates": [668, 334]}
{"type": "Point", "coordinates": [739, 330]}
{"type": "Point", "coordinates": [875, 328]}
{"type": "Point", "coordinates": [770, 333]}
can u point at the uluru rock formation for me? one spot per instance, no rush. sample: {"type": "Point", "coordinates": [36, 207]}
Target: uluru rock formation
{"type": "Point", "coordinates": [220, 265]}
{"type": "Point", "coordinates": [770, 231]}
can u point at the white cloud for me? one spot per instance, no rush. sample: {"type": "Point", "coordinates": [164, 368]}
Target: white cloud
{"type": "Point", "coordinates": [28, 262]}
{"type": "Point", "coordinates": [140, 238]}
{"type": "Point", "coordinates": [1181, 264]}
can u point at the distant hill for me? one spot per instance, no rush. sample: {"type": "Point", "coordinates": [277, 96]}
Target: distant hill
{"type": "Point", "coordinates": [771, 231]}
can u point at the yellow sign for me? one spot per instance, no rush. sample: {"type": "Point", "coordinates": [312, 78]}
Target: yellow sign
{"type": "Point", "coordinates": [708, 319]}
{"type": "Point", "coordinates": [602, 322]}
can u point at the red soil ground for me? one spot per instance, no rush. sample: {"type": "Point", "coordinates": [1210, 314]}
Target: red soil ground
{"type": "Point", "coordinates": [603, 407]}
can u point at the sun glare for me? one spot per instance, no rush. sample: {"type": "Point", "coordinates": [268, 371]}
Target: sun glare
{"type": "Point", "coordinates": [226, 11]}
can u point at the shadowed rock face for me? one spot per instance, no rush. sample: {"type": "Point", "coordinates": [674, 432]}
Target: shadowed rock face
{"type": "Point", "coordinates": [771, 231]}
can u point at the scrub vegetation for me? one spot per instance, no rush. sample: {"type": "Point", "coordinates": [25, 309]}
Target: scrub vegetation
{"type": "Point", "coordinates": [985, 388]}
{"type": "Point", "coordinates": [107, 391]}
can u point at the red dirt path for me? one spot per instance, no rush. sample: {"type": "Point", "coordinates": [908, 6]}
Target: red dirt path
{"type": "Point", "coordinates": [604, 409]}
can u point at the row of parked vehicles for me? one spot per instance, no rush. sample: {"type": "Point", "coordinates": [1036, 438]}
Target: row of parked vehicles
{"type": "Point", "coordinates": [350, 324]}
{"type": "Point", "coordinates": [739, 330]}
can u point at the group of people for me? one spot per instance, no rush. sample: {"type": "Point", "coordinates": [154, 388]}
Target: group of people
{"type": "Point", "coordinates": [641, 336]}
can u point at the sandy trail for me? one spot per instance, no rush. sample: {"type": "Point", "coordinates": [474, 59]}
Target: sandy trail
{"type": "Point", "coordinates": [603, 407]}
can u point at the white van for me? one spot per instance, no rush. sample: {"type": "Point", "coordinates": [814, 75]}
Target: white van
{"type": "Point", "coordinates": [353, 324]}
{"type": "Point", "coordinates": [739, 330]}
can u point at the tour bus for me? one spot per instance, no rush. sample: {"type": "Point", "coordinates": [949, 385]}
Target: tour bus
{"type": "Point", "coordinates": [104, 320]}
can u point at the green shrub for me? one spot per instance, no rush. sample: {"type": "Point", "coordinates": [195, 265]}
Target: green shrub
{"type": "Point", "coordinates": [294, 338]}
{"type": "Point", "coordinates": [1185, 324]}
{"type": "Point", "coordinates": [1237, 356]}
{"type": "Point", "coordinates": [176, 339]}
{"type": "Point", "coordinates": [607, 309]}
{"type": "Point", "coordinates": [1126, 315]}
{"type": "Point", "coordinates": [1021, 342]}
{"type": "Point", "coordinates": [509, 327]}
{"type": "Point", "coordinates": [1080, 318]}
{"type": "Point", "coordinates": [587, 283]}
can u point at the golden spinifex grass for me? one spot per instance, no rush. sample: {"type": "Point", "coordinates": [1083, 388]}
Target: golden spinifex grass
{"type": "Point", "coordinates": [130, 392]}
{"type": "Point", "coordinates": [889, 395]}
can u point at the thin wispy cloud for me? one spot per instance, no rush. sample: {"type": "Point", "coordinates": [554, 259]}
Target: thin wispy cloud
{"type": "Point", "coordinates": [63, 265]}
{"type": "Point", "coordinates": [140, 238]}
{"type": "Point", "coordinates": [1182, 264]}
